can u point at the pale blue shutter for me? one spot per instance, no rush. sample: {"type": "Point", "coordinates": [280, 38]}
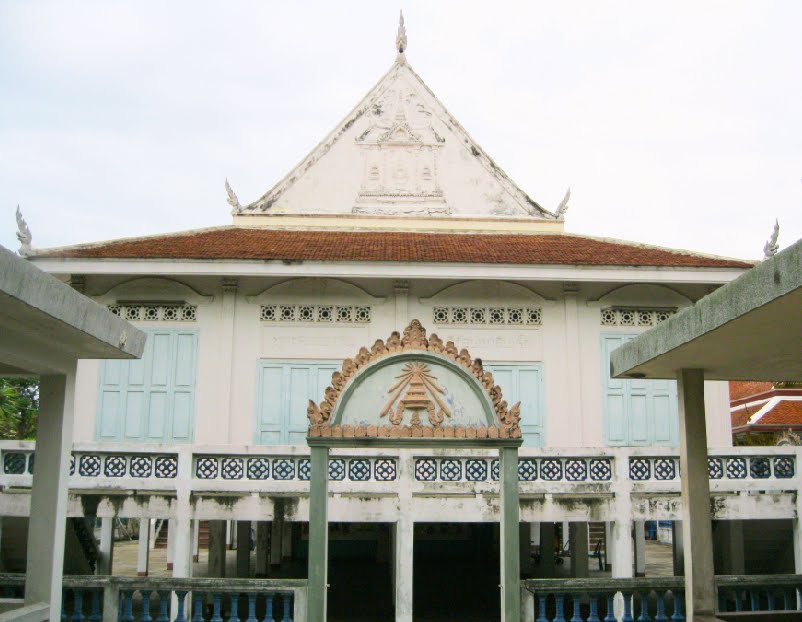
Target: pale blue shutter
{"type": "Point", "coordinates": [151, 399]}
{"type": "Point", "coordinates": [270, 404]}
{"type": "Point", "coordinates": [637, 412]}
{"type": "Point", "coordinates": [523, 383]}
{"type": "Point", "coordinates": [284, 391]}
{"type": "Point", "coordinates": [183, 385]}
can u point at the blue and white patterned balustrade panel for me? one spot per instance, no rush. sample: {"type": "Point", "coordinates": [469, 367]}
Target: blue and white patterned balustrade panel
{"type": "Point", "coordinates": [292, 468]}
{"type": "Point", "coordinates": [734, 468]}
{"type": "Point", "coordinates": [530, 469]}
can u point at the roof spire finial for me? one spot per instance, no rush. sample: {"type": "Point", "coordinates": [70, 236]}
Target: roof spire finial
{"type": "Point", "coordinates": [771, 247]}
{"type": "Point", "coordinates": [401, 39]}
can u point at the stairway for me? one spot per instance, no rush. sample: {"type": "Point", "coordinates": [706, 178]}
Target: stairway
{"type": "Point", "coordinates": [596, 537]}
{"type": "Point", "coordinates": [203, 535]}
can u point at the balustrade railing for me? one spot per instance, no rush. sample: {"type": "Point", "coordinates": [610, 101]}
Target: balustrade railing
{"type": "Point", "coordinates": [135, 599]}
{"type": "Point", "coordinates": [660, 599]}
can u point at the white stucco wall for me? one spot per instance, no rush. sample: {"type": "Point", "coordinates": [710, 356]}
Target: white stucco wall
{"type": "Point", "coordinates": [567, 344]}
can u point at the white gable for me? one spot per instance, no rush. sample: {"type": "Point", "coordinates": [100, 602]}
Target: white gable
{"type": "Point", "coordinates": [398, 153]}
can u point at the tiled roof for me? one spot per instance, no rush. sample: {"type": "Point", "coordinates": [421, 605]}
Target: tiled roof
{"type": "Point", "coordinates": [741, 389]}
{"type": "Point", "coordinates": [785, 412]}
{"type": "Point", "coordinates": [294, 245]}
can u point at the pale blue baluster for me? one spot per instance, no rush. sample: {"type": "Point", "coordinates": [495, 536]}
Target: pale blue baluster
{"type": "Point", "coordinates": [754, 600]}
{"type": "Point", "coordinates": [627, 617]}
{"type": "Point", "coordinates": [146, 606]}
{"type": "Point", "coordinates": [644, 608]}
{"type": "Point", "coordinates": [576, 617]}
{"type": "Point", "coordinates": [77, 605]}
{"type": "Point", "coordinates": [722, 601]}
{"type": "Point", "coordinates": [269, 610]}
{"type": "Point", "coordinates": [771, 600]}
{"type": "Point", "coordinates": [593, 616]}
{"type": "Point", "coordinates": [610, 617]}
{"type": "Point", "coordinates": [738, 604]}
{"type": "Point", "coordinates": [287, 598]}
{"type": "Point", "coordinates": [197, 605]}
{"type": "Point", "coordinates": [787, 600]}
{"type": "Point", "coordinates": [216, 617]}
{"type": "Point", "coordinates": [661, 616]}
{"type": "Point", "coordinates": [234, 606]}
{"type": "Point", "coordinates": [679, 606]}
{"type": "Point", "coordinates": [128, 615]}
{"type": "Point", "coordinates": [164, 599]}
{"type": "Point", "coordinates": [541, 608]}
{"type": "Point", "coordinates": [180, 616]}
{"type": "Point", "coordinates": [559, 601]}
{"type": "Point", "coordinates": [252, 607]}
{"type": "Point", "coordinates": [96, 615]}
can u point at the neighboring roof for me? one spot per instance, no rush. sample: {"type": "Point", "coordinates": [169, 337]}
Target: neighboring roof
{"type": "Point", "coordinates": [740, 389]}
{"type": "Point", "coordinates": [748, 329]}
{"type": "Point", "coordinates": [247, 243]}
{"type": "Point", "coordinates": [759, 406]}
{"type": "Point", "coordinates": [45, 322]}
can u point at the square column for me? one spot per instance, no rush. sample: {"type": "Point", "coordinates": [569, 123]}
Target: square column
{"type": "Point", "coordinates": [548, 557]}
{"type": "Point", "coordinates": [262, 544]}
{"type": "Point", "coordinates": [403, 541]}
{"type": "Point", "coordinates": [217, 548]}
{"type": "Point", "coordinates": [700, 587]}
{"type": "Point", "coordinates": [640, 548]}
{"type": "Point", "coordinates": [243, 549]}
{"type": "Point", "coordinates": [143, 548]}
{"type": "Point", "coordinates": [318, 534]}
{"type": "Point", "coordinates": [47, 524]}
{"type": "Point", "coordinates": [106, 558]}
{"type": "Point", "coordinates": [678, 549]}
{"type": "Point", "coordinates": [510, 534]}
{"type": "Point", "coordinates": [578, 544]}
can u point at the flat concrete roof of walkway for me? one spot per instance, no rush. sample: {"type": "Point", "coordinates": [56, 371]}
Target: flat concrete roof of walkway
{"type": "Point", "coordinates": [749, 329]}
{"type": "Point", "coordinates": [45, 323]}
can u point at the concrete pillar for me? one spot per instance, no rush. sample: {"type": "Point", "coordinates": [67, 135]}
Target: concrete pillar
{"type": "Point", "coordinates": [730, 544]}
{"type": "Point", "coordinates": [677, 548]}
{"type": "Point", "coordinates": [608, 554]}
{"type": "Point", "coordinates": [403, 541]}
{"type": "Point", "coordinates": [243, 549]}
{"type": "Point", "coordinates": [195, 540]}
{"type": "Point", "coordinates": [171, 534]}
{"type": "Point", "coordinates": [640, 548]}
{"type": "Point", "coordinates": [525, 547]}
{"type": "Point", "coordinates": [578, 544]}
{"type": "Point", "coordinates": [700, 592]}
{"type": "Point", "coordinates": [217, 548]}
{"type": "Point", "coordinates": [143, 548]}
{"type": "Point", "coordinates": [277, 533]}
{"type": "Point", "coordinates": [181, 525]}
{"type": "Point", "coordinates": [262, 542]}
{"type": "Point", "coordinates": [226, 356]}
{"type": "Point", "coordinates": [510, 548]}
{"type": "Point", "coordinates": [318, 534]}
{"type": "Point", "coordinates": [286, 542]}
{"type": "Point", "coordinates": [572, 414]}
{"type": "Point", "coordinates": [106, 546]}
{"type": "Point", "coordinates": [48, 515]}
{"type": "Point", "coordinates": [548, 557]}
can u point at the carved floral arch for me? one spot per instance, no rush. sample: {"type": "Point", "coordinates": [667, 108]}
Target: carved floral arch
{"type": "Point", "coordinates": [413, 386]}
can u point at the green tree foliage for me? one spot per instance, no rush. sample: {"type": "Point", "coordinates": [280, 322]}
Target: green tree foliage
{"type": "Point", "coordinates": [19, 408]}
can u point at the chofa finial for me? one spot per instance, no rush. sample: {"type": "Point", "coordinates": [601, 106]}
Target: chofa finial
{"type": "Point", "coordinates": [401, 38]}
{"type": "Point", "coordinates": [771, 247]}
{"type": "Point", "coordinates": [232, 199]}
{"type": "Point", "coordinates": [23, 235]}
{"type": "Point", "coordinates": [563, 206]}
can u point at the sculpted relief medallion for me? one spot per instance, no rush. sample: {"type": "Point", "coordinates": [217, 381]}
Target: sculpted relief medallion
{"type": "Point", "coordinates": [413, 385]}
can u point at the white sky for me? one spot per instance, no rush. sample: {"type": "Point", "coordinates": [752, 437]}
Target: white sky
{"type": "Point", "coordinates": [674, 123]}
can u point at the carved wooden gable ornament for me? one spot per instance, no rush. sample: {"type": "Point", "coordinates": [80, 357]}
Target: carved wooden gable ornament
{"type": "Point", "coordinates": [413, 386]}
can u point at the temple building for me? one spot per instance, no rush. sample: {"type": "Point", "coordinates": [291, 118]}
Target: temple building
{"type": "Point", "coordinates": [399, 311]}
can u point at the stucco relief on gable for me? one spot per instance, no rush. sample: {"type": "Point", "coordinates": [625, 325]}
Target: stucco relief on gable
{"type": "Point", "coordinates": [400, 151]}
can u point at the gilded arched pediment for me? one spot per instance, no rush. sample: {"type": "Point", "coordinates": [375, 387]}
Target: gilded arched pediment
{"type": "Point", "coordinates": [413, 385]}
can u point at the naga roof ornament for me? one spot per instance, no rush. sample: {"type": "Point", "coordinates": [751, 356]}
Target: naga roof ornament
{"type": "Point", "coordinates": [416, 391]}
{"type": "Point", "coordinates": [401, 38]}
